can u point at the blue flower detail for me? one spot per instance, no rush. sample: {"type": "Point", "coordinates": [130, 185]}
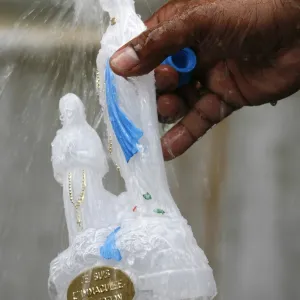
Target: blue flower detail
{"type": "Point", "coordinates": [109, 250]}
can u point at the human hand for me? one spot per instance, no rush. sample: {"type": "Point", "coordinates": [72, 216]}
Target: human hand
{"type": "Point", "coordinates": [248, 54]}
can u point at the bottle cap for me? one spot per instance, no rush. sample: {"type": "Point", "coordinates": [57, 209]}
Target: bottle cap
{"type": "Point", "coordinates": [184, 62]}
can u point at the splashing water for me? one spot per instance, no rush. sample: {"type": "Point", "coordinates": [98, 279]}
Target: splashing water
{"type": "Point", "coordinates": [48, 50]}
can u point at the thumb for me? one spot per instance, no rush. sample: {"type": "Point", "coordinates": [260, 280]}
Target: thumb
{"type": "Point", "coordinates": [144, 53]}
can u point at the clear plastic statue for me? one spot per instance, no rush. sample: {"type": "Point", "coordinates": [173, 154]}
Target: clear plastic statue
{"type": "Point", "coordinates": [137, 245]}
{"type": "Point", "coordinates": [79, 165]}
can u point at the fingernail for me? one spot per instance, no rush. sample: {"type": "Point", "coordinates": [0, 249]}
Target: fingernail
{"type": "Point", "coordinates": [167, 149]}
{"type": "Point", "coordinates": [125, 59]}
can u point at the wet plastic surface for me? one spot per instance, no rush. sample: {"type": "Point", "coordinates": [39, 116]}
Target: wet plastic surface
{"type": "Point", "coordinates": [140, 232]}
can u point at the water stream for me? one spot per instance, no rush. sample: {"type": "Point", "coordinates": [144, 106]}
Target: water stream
{"type": "Point", "coordinates": [47, 50]}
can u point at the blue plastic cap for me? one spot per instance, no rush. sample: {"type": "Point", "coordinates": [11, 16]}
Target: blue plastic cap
{"type": "Point", "coordinates": [184, 62]}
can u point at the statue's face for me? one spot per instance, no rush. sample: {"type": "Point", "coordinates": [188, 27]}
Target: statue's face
{"type": "Point", "coordinates": [71, 110]}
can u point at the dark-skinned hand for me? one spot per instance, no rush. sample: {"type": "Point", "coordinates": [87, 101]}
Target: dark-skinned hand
{"type": "Point", "coordinates": [248, 54]}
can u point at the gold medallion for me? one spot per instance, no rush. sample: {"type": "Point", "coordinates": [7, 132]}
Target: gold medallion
{"type": "Point", "coordinates": [101, 283]}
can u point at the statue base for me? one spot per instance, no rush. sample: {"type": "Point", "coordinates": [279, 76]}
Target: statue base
{"type": "Point", "coordinates": [159, 256]}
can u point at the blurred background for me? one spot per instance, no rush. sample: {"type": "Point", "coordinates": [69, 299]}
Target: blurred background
{"type": "Point", "coordinates": [238, 187]}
